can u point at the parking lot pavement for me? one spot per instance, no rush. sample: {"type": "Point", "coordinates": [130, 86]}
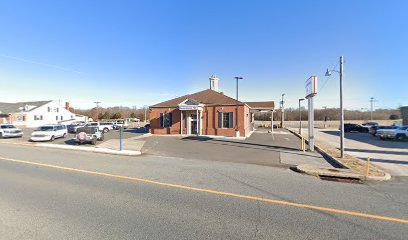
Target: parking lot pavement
{"type": "Point", "coordinates": [280, 150]}
{"type": "Point", "coordinates": [109, 137]}
{"type": "Point", "coordinates": [392, 156]}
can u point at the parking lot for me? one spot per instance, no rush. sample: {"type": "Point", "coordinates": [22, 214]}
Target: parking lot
{"type": "Point", "coordinates": [390, 155]}
{"type": "Point", "coordinates": [261, 148]}
{"type": "Point", "coordinates": [68, 140]}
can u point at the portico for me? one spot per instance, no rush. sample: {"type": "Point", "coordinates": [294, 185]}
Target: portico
{"type": "Point", "coordinates": [191, 113]}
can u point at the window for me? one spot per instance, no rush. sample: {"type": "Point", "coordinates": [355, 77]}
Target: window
{"type": "Point", "coordinates": [21, 118]}
{"type": "Point", "coordinates": [49, 109]}
{"type": "Point", "coordinates": [38, 117]}
{"type": "Point", "coordinates": [166, 120]}
{"type": "Point", "coordinates": [57, 109]}
{"type": "Point", "coordinates": [225, 120]}
{"type": "Point", "coordinates": [62, 118]}
{"type": "Point", "coordinates": [56, 118]}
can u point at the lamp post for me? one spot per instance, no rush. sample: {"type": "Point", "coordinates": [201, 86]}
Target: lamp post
{"type": "Point", "coordinates": [329, 73]}
{"type": "Point", "coordinates": [300, 117]}
{"type": "Point", "coordinates": [97, 109]}
{"type": "Point", "coordinates": [236, 110]}
{"type": "Point", "coordinates": [283, 112]}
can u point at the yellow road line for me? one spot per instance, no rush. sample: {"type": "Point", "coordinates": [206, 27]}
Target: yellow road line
{"type": "Point", "coordinates": [293, 204]}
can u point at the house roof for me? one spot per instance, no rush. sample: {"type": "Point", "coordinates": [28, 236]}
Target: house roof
{"type": "Point", "coordinates": [6, 108]}
{"type": "Point", "coordinates": [270, 105]}
{"type": "Point", "coordinates": [207, 97]}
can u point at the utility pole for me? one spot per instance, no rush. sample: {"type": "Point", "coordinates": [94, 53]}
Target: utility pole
{"type": "Point", "coordinates": [325, 117]}
{"type": "Point", "coordinates": [341, 109]}
{"type": "Point", "coordinates": [145, 113]}
{"type": "Point", "coordinates": [371, 103]}
{"type": "Point", "coordinates": [97, 109]}
{"type": "Point", "coordinates": [283, 112]}
{"type": "Point", "coordinates": [236, 110]}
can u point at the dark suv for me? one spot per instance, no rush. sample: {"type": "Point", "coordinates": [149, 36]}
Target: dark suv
{"type": "Point", "coordinates": [351, 127]}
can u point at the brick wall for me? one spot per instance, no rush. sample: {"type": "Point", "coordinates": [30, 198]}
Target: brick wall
{"type": "Point", "coordinates": [209, 121]}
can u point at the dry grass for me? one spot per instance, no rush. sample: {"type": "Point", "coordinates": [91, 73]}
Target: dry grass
{"type": "Point", "coordinates": [356, 165]}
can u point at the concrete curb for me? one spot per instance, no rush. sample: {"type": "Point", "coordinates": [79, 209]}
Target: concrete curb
{"type": "Point", "coordinates": [386, 176]}
{"type": "Point", "coordinates": [91, 149]}
{"type": "Point", "coordinates": [328, 172]}
{"type": "Point", "coordinates": [321, 151]}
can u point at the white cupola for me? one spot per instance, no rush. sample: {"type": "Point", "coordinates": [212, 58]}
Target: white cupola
{"type": "Point", "coordinates": [214, 82]}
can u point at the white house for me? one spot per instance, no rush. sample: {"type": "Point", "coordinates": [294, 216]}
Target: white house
{"type": "Point", "coordinates": [34, 114]}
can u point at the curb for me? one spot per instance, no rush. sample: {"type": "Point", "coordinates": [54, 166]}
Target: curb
{"type": "Point", "coordinates": [91, 149]}
{"type": "Point", "coordinates": [321, 151]}
{"type": "Point", "coordinates": [386, 176]}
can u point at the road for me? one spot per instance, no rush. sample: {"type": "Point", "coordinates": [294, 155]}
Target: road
{"type": "Point", "coordinates": [58, 194]}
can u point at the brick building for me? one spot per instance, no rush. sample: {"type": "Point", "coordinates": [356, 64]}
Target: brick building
{"type": "Point", "coordinates": [207, 112]}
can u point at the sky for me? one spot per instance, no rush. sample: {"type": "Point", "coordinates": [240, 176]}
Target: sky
{"type": "Point", "coordinates": [136, 53]}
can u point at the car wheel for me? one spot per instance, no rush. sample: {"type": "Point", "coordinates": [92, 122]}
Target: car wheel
{"type": "Point", "coordinates": [400, 137]}
{"type": "Point", "coordinates": [94, 141]}
{"type": "Point", "coordinates": [105, 130]}
{"type": "Point", "coordinates": [1, 135]}
{"type": "Point", "coordinates": [65, 135]}
{"type": "Point", "coordinates": [101, 138]}
{"type": "Point", "coordinates": [52, 138]}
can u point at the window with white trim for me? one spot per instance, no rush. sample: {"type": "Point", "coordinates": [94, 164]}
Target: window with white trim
{"type": "Point", "coordinates": [166, 120]}
{"type": "Point", "coordinates": [225, 119]}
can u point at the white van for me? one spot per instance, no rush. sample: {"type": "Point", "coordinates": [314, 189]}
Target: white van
{"type": "Point", "coordinates": [49, 133]}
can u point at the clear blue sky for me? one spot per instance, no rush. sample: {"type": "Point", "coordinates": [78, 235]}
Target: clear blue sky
{"type": "Point", "coordinates": [143, 52]}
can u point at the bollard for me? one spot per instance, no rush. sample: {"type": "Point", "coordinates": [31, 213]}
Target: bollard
{"type": "Point", "coordinates": [302, 144]}
{"type": "Point", "coordinates": [368, 166]}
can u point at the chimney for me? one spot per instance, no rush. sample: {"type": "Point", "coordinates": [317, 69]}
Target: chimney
{"type": "Point", "coordinates": [214, 82]}
{"type": "Point", "coordinates": [67, 105]}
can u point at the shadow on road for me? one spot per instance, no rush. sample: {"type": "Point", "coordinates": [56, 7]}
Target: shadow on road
{"type": "Point", "coordinates": [369, 139]}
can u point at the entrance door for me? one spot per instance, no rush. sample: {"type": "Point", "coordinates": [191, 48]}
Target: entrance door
{"type": "Point", "coordinates": [193, 123]}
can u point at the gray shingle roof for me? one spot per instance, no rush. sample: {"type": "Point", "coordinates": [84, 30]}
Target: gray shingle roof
{"type": "Point", "coordinates": [6, 108]}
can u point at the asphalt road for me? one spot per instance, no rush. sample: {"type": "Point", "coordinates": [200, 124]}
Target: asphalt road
{"type": "Point", "coordinates": [58, 194]}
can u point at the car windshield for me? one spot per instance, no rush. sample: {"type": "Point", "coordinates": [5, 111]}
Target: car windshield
{"type": "Point", "coordinates": [403, 128]}
{"type": "Point", "coordinates": [7, 126]}
{"type": "Point", "coordinates": [45, 128]}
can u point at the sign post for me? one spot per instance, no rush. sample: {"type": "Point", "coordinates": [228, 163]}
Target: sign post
{"type": "Point", "coordinates": [311, 91]}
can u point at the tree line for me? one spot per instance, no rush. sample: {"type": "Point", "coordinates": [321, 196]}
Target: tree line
{"type": "Point", "coordinates": [292, 114]}
{"type": "Point", "coordinates": [117, 112]}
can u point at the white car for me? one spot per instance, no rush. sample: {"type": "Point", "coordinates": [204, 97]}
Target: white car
{"type": "Point", "coordinates": [49, 133]}
{"type": "Point", "coordinates": [102, 126]}
{"type": "Point", "coordinates": [8, 130]}
{"type": "Point", "coordinates": [400, 133]}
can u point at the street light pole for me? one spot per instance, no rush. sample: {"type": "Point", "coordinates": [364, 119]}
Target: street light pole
{"type": "Point", "coordinates": [236, 109]}
{"type": "Point", "coordinates": [300, 117]}
{"type": "Point", "coordinates": [283, 112]}
{"type": "Point", "coordinates": [328, 73]}
{"type": "Point", "coordinates": [341, 109]}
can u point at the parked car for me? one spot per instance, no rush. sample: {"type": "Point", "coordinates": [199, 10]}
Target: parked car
{"type": "Point", "coordinates": [351, 127]}
{"type": "Point", "coordinates": [374, 129]}
{"type": "Point", "coordinates": [400, 133]}
{"type": "Point", "coordinates": [88, 134]}
{"type": "Point", "coordinates": [72, 128]}
{"type": "Point", "coordinates": [120, 123]}
{"type": "Point", "coordinates": [8, 130]}
{"type": "Point", "coordinates": [102, 126]}
{"type": "Point", "coordinates": [49, 133]}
